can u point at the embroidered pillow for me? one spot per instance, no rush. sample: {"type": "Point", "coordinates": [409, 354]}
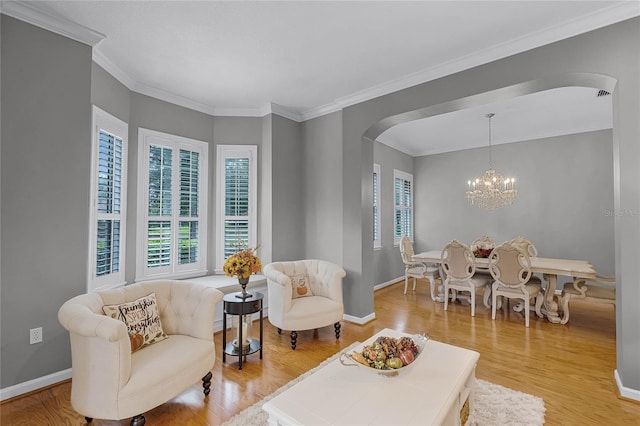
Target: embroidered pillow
{"type": "Point", "coordinates": [301, 285]}
{"type": "Point", "coordinates": [142, 319]}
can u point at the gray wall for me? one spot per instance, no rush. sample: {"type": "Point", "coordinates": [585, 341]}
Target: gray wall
{"type": "Point", "coordinates": [565, 189]}
{"type": "Point", "coordinates": [288, 174]}
{"type": "Point", "coordinates": [109, 94]}
{"type": "Point", "coordinates": [46, 162]}
{"type": "Point", "coordinates": [387, 263]}
{"type": "Point", "coordinates": [322, 160]}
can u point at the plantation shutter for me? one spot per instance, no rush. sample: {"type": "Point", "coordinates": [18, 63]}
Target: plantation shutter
{"type": "Point", "coordinates": [160, 221]}
{"type": "Point", "coordinates": [237, 197]}
{"type": "Point", "coordinates": [109, 201]}
{"type": "Point", "coordinates": [189, 216]}
{"type": "Point", "coordinates": [236, 200]}
{"type": "Point", "coordinates": [403, 194]}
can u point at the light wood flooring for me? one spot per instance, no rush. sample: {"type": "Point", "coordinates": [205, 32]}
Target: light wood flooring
{"type": "Point", "coordinates": [570, 366]}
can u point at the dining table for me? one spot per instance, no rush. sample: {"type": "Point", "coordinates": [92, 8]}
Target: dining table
{"type": "Point", "coordinates": [550, 268]}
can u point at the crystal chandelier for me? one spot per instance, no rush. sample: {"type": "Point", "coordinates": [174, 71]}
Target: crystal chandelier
{"type": "Point", "coordinates": [491, 190]}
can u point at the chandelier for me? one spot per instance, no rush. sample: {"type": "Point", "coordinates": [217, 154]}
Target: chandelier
{"type": "Point", "coordinates": [491, 190]}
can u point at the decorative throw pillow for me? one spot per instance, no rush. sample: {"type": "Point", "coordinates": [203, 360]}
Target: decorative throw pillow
{"type": "Point", "coordinates": [301, 285]}
{"type": "Point", "coordinates": [142, 319]}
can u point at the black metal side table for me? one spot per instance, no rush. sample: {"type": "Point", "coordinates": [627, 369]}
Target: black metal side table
{"type": "Point", "coordinates": [234, 304]}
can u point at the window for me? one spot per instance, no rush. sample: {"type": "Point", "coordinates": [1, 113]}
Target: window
{"type": "Point", "coordinates": [237, 199]}
{"type": "Point", "coordinates": [403, 194]}
{"type": "Point", "coordinates": [172, 206]}
{"type": "Point", "coordinates": [376, 206]}
{"type": "Point", "coordinates": [108, 196]}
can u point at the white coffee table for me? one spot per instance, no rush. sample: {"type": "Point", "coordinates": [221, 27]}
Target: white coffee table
{"type": "Point", "coordinates": [433, 390]}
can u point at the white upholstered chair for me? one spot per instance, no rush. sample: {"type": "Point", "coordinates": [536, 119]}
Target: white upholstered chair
{"type": "Point", "coordinates": [483, 242]}
{"type": "Point", "coordinates": [458, 266]}
{"type": "Point", "coordinates": [415, 270]}
{"type": "Point", "coordinates": [108, 380]}
{"type": "Point", "coordinates": [324, 307]}
{"type": "Point", "coordinates": [601, 289]}
{"type": "Point", "coordinates": [525, 245]}
{"type": "Point", "coordinates": [510, 268]}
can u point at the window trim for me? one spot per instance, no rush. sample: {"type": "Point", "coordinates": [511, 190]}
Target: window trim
{"type": "Point", "coordinates": [377, 242]}
{"type": "Point", "coordinates": [146, 138]}
{"type": "Point", "coordinates": [101, 119]}
{"type": "Point", "coordinates": [399, 174]}
{"type": "Point", "coordinates": [235, 151]}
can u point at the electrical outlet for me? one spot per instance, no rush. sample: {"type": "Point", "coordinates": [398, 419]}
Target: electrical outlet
{"type": "Point", "coordinates": [35, 335]}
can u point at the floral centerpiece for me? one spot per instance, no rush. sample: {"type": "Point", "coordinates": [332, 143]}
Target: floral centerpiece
{"type": "Point", "coordinates": [243, 264]}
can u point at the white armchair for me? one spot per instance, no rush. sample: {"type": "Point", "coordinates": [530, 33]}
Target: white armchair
{"type": "Point", "coordinates": [324, 307]}
{"type": "Point", "coordinates": [111, 382]}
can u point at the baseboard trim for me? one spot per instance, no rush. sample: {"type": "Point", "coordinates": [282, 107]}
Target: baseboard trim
{"type": "Point", "coordinates": [35, 384]}
{"type": "Point", "coordinates": [388, 283]}
{"type": "Point", "coordinates": [359, 320]}
{"type": "Point", "coordinates": [629, 393]}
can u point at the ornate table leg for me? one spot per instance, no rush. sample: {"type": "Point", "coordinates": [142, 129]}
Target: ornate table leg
{"type": "Point", "coordinates": [550, 304]}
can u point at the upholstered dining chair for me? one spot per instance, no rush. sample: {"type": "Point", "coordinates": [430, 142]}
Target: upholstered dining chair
{"type": "Point", "coordinates": [483, 241]}
{"type": "Point", "coordinates": [415, 270]}
{"type": "Point", "coordinates": [601, 289]}
{"type": "Point", "coordinates": [525, 245]}
{"type": "Point", "coordinates": [486, 244]}
{"type": "Point", "coordinates": [304, 295]}
{"type": "Point", "coordinates": [510, 268]}
{"type": "Point", "coordinates": [458, 266]}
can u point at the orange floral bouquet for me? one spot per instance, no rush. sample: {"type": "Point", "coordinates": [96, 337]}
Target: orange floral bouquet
{"type": "Point", "coordinates": [242, 264]}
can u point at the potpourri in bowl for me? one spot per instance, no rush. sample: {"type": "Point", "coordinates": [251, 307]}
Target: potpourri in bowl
{"type": "Point", "coordinates": [388, 355]}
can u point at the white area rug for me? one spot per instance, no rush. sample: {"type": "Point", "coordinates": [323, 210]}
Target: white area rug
{"type": "Point", "coordinates": [494, 404]}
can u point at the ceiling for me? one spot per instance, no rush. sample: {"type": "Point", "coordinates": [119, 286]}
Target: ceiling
{"type": "Point", "coordinates": [303, 59]}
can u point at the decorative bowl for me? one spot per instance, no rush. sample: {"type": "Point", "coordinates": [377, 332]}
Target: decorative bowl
{"type": "Point", "coordinates": [347, 359]}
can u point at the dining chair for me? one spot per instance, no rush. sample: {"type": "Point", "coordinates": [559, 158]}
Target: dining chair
{"type": "Point", "coordinates": [459, 266]}
{"type": "Point", "coordinates": [525, 245]}
{"type": "Point", "coordinates": [510, 268]}
{"type": "Point", "coordinates": [483, 242]}
{"type": "Point", "coordinates": [416, 269]}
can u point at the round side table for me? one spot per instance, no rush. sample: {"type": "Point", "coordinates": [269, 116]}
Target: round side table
{"type": "Point", "coordinates": [234, 304]}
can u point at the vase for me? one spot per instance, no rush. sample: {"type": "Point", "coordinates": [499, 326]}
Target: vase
{"type": "Point", "coordinates": [243, 283]}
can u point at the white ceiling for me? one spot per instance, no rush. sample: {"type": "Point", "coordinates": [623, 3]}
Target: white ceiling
{"type": "Point", "coordinates": [303, 59]}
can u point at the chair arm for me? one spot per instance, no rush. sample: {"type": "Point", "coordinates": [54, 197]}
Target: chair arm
{"type": "Point", "coordinates": [100, 352]}
{"type": "Point", "coordinates": [277, 277]}
{"type": "Point", "coordinates": [280, 294]}
{"type": "Point", "coordinates": [78, 318]}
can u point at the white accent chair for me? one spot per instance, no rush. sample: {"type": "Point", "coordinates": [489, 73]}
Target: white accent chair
{"type": "Point", "coordinates": [458, 266]}
{"type": "Point", "coordinates": [417, 269]}
{"type": "Point", "coordinates": [324, 308]}
{"type": "Point", "coordinates": [510, 267]}
{"type": "Point", "coordinates": [110, 382]}
{"type": "Point", "coordinates": [602, 290]}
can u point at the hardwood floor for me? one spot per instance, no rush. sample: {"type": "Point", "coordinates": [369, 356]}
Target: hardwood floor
{"type": "Point", "coordinates": [570, 366]}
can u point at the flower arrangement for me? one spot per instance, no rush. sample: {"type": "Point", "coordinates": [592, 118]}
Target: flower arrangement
{"type": "Point", "coordinates": [242, 264]}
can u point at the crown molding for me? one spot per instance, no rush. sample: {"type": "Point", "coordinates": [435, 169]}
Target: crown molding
{"type": "Point", "coordinates": [286, 113]}
{"type": "Point", "coordinates": [113, 69]}
{"type": "Point", "coordinates": [611, 15]}
{"type": "Point", "coordinates": [27, 12]}
{"type": "Point", "coordinates": [31, 14]}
